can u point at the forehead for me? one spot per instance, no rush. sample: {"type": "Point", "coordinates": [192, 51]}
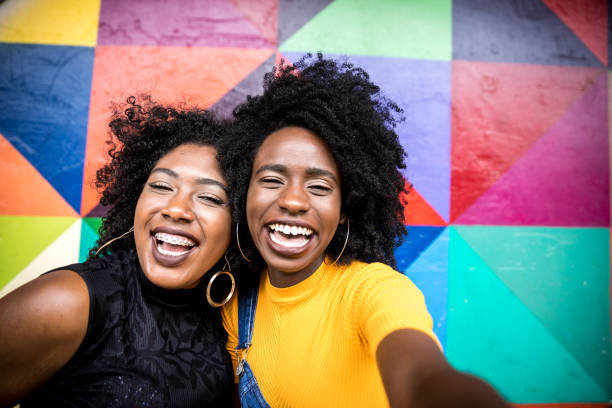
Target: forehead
{"type": "Point", "coordinates": [192, 158]}
{"type": "Point", "coordinates": [295, 146]}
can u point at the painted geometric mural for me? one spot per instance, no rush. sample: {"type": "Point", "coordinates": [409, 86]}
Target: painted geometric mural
{"type": "Point", "coordinates": [507, 109]}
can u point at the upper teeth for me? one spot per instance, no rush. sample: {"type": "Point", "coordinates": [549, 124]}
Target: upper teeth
{"type": "Point", "coordinates": [174, 239]}
{"type": "Point", "coordinates": [290, 229]}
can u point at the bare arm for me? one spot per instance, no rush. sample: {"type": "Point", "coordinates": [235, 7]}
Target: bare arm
{"type": "Point", "coordinates": [42, 325]}
{"type": "Point", "coordinates": [416, 374]}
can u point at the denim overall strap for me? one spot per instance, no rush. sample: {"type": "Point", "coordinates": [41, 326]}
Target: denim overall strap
{"type": "Point", "coordinates": [248, 389]}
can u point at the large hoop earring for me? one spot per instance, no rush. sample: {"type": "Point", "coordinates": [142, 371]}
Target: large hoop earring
{"type": "Point", "coordinates": [238, 242]}
{"type": "Point", "coordinates": [348, 231]}
{"type": "Point", "coordinates": [110, 241]}
{"type": "Point", "coordinates": [215, 276]}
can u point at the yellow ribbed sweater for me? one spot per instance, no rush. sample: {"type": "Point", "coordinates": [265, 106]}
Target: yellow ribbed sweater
{"type": "Point", "coordinates": [314, 343]}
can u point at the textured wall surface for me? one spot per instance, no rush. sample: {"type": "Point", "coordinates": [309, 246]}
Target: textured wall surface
{"type": "Point", "coordinates": [507, 107]}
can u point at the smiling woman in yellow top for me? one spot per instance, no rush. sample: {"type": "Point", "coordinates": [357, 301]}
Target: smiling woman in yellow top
{"type": "Point", "coordinates": [313, 168]}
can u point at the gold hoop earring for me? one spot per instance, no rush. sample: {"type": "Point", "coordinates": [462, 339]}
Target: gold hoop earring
{"type": "Point", "coordinates": [348, 231]}
{"type": "Point", "coordinates": [110, 241]}
{"type": "Point", "coordinates": [239, 248]}
{"type": "Point", "coordinates": [215, 276]}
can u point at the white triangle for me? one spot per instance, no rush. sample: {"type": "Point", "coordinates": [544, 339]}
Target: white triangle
{"type": "Point", "coordinates": [63, 251]}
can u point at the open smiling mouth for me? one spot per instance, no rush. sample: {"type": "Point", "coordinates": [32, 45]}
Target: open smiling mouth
{"type": "Point", "coordinates": [290, 236]}
{"type": "Point", "coordinates": [172, 245]}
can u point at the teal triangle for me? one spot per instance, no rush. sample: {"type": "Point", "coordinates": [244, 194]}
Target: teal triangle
{"type": "Point", "coordinates": [491, 334]}
{"type": "Point", "coordinates": [563, 276]}
{"type": "Point", "coordinates": [387, 28]}
{"type": "Point", "coordinates": [89, 236]}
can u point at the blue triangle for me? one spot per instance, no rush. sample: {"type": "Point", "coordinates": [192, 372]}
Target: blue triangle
{"type": "Point", "coordinates": [44, 100]}
{"type": "Point", "coordinates": [430, 273]}
{"type": "Point", "coordinates": [515, 31]}
{"type": "Point", "coordinates": [417, 240]}
{"type": "Point", "coordinates": [422, 89]}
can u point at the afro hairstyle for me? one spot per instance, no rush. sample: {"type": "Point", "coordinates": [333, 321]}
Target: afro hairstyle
{"type": "Point", "coordinates": [140, 135]}
{"type": "Point", "coordinates": [338, 102]}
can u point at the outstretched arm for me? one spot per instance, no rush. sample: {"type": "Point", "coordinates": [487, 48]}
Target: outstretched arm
{"type": "Point", "coordinates": [42, 325]}
{"type": "Point", "coordinates": [416, 374]}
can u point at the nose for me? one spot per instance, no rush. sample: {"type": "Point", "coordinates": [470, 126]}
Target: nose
{"type": "Point", "coordinates": [294, 199]}
{"type": "Point", "coordinates": [178, 208]}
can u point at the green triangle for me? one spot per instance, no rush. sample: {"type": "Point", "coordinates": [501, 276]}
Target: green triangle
{"type": "Point", "coordinates": [89, 236]}
{"type": "Point", "coordinates": [23, 238]}
{"type": "Point", "coordinates": [388, 28]}
{"type": "Point", "coordinates": [563, 276]}
{"type": "Point", "coordinates": [491, 334]}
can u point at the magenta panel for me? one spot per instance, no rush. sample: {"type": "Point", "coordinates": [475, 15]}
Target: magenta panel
{"type": "Point", "coordinates": [562, 180]}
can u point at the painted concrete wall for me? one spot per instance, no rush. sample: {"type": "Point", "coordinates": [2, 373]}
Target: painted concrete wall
{"type": "Point", "coordinates": [507, 133]}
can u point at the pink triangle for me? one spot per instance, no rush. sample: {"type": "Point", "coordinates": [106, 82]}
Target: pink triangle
{"type": "Point", "coordinates": [562, 180]}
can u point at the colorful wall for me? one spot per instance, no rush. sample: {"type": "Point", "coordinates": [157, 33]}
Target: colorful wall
{"type": "Point", "coordinates": [507, 133]}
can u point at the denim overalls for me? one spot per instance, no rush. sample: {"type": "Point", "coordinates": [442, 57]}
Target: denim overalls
{"type": "Point", "coordinates": [248, 389]}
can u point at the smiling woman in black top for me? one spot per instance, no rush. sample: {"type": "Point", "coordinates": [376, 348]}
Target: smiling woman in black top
{"type": "Point", "coordinates": [131, 326]}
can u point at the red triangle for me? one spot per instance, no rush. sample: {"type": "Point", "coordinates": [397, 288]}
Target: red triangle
{"type": "Point", "coordinates": [417, 211]}
{"type": "Point", "coordinates": [26, 191]}
{"type": "Point", "coordinates": [498, 112]}
{"type": "Point", "coordinates": [190, 76]}
{"type": "Point", "coordinates": [588, 20]}
{"type": "Point", "coordinates": [263, 14]}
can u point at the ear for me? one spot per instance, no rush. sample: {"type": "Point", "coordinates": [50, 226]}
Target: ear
{"type": "Point", "coordinates": [342, 219]}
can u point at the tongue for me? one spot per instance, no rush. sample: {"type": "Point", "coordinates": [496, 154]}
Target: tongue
{"type": "Point", "coordinates": [289, 240]}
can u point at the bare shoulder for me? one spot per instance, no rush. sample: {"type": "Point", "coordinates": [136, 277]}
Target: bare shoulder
{"type": "Point", "coordinates": [43, 323]}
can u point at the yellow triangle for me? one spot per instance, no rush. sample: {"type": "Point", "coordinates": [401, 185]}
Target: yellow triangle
{"type": "Point", "coordinates": [62, 22]}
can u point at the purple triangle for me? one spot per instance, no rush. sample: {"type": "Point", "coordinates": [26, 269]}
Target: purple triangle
{"type": "Point", "coordinates": [422, 89]}
{"type": "Point", "coordinates": [215, 23]}
{"type": "Point", "coordinates": [562, 180]}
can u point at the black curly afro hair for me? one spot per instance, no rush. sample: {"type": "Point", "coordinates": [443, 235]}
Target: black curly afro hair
{"type": "Point", "coordinates": [338, 102]}
{"type": "Point", "coordinates": [140, 136]}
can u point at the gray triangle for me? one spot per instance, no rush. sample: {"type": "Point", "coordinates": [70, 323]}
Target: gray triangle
{"type": "Point", "coordinates": [252, 84]}
{"type": "Point", "coordinates": [517, 32]}
{"type": "Point", "coordinates": [293, 14]}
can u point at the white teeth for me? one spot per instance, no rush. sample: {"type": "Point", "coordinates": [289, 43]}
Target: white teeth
{"type": "Point", "coordinates": [174, 239]}
{"type": "Point", "coordinates": [170, 253]}
{"type": "Point", "coordinates": [290, 229]}
{"type": "Point", "coordinates": [289, 243]}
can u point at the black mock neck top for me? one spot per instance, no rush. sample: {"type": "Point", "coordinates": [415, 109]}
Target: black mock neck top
{"type": "Point", "coordinates": [145, 346]}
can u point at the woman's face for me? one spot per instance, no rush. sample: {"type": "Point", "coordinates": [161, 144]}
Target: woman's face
{"type": "Point", "coordinates": [182, 224]}
{"type": "Point", "coordinates": [293, 203]}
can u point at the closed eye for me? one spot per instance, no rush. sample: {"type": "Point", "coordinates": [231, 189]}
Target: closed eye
{"type": "Point", "coordinates": [160, 187]}
{"type": "Point", "coordinates": [211, 200]}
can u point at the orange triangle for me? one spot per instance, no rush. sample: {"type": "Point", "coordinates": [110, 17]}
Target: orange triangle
{"type": "Point", "coordinates": [181, 76]}
{"type": "Point", "coordinates": [26, 191]}
{"type": "Point", "coordinates": [588, 20]}
{"type": "Point", "coordinates": [418, 212]}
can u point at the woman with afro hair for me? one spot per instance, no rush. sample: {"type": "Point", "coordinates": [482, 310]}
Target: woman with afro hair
{"type": "Point", "coordinates": [321, 318]}
{"type": "Point", "coordinates": [131, 326]}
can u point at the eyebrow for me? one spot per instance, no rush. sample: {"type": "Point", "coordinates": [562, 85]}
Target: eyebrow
{"type": "Point", "coordinates": [310, 171]}
{"type": "Point", "coordinates": [199, 180]}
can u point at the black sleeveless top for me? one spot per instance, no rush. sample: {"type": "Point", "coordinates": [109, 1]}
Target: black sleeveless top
{"type": "Point", "coordinates": [145, 346]}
